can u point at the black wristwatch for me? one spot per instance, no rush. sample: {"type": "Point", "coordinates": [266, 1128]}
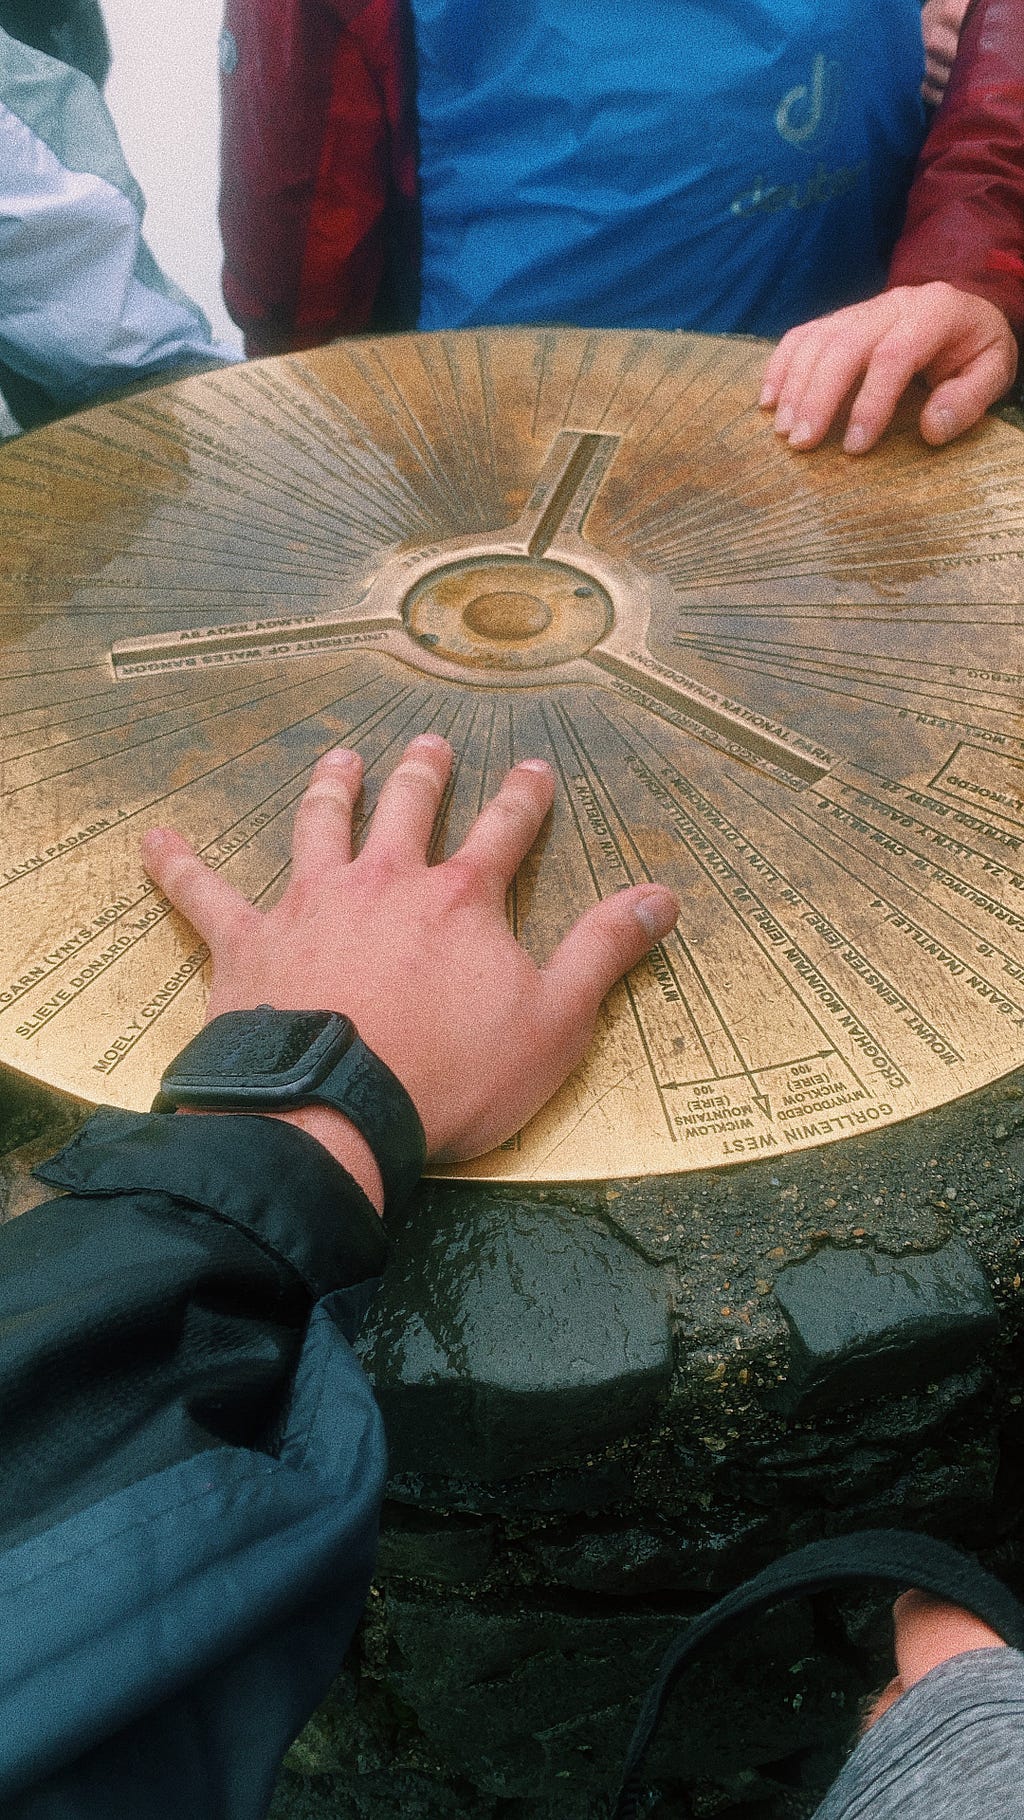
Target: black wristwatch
{"type": "Point", "coordinates": [272, 1061]}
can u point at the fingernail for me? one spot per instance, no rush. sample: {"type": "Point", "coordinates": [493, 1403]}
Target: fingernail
{"type": "Point", "coordinates": [943, 427]}
{"type": "Point", "coordinates": [783, 420]}
{"type": "Point", "coordinates": [803, 433]}
{"type": "Point", "coordinates": [767, 398]}
{"type": "Point", "coordinates": [433, 741]}
{"type": "Point", "coordinates": [534, 764]}
{"type": "Point", "coordinates": [339, 755]}
{"type": "Point", "coordinates": [856, 439]}
{"type": "Point", "coordinates": [656, 911]}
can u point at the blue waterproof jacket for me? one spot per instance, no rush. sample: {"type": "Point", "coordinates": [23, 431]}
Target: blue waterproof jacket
{"type": "Point", "coordinates": [675, 164]}
{"type": "Point", "coordinates": [191, 1465]}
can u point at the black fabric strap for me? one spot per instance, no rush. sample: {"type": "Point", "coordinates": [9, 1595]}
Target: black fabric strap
{"type": "Point", "coordinates": [892, 1555]}
{"type": "Point", "coordinates": [363, 1088]}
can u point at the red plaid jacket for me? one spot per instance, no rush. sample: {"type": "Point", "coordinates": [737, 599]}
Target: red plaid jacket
{"type": "Point", "coordinates": [318, 167]}
{"type": "Point", "coordinates": [965, 217]}
{"type": "Point", "coordinates": [318, 198]}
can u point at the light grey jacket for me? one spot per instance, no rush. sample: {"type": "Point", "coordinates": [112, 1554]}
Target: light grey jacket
{"type": "Point", "coordinates": [84, 307]}
{"type": "Point", "coordinates": [950, 1749]}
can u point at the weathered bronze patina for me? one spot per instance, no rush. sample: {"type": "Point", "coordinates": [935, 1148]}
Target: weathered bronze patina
{"type": "Point", "coordinates": [788, 686]}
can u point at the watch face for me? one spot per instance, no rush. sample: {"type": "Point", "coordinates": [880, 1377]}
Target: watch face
{"type": "Point", "coordinates": [258, 1057]}
{"type": "Point", "coordinates": [272, 1045]}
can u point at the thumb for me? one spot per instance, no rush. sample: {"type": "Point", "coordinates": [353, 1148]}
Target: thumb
{"type": "Point", "coordinates": [958, 403]}
{"type": "Point", "coordinates": [929, 1630]}
{"type": "Point", "coordinates": [606, 942]}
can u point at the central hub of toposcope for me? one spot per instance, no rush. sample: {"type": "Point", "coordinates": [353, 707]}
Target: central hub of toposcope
{"type": "Point", "coordinates": [508, 612]}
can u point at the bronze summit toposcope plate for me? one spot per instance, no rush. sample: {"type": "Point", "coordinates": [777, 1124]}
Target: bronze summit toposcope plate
{"type": "Point", "coordinates": [789, 687]}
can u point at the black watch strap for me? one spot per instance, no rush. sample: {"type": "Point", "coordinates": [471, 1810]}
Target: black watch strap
{"type": "Point", "coordinates": [363, 1088]}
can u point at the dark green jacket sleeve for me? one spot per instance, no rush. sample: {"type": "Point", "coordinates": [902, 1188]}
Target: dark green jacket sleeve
{"type": "Point", "coordinates": [191, 1465]}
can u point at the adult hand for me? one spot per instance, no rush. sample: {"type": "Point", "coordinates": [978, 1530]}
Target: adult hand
{"type": "Point", "coordinates": [421, 957]}
{"type": "Point", "coordinates": [928, 1631]}
{"type": "Point", "coordinates": [940, 29]}
{"type": "Point", "coordinates": [961, 344]}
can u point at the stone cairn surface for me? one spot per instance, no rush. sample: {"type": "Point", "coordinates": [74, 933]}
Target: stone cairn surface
{"type": "Point", "coordinates": [606, 1406]}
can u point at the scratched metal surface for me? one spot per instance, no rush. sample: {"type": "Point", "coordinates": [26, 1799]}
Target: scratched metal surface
{"type": "Point", "coordinates": [790, 687]}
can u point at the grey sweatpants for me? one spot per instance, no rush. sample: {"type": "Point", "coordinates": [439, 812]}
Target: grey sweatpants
{"type": "Point", "coordinates": [950, 1749]}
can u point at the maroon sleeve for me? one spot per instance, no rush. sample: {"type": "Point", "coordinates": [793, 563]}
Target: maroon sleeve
{"type": "Point", "coordinates": [312, 111]}
{"type": "Point", "coordinates": [965, 216]}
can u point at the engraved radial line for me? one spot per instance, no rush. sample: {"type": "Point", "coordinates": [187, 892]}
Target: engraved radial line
{"type": "Point", "coordinates": [486, 764]}
{"type": "Point", "coordinates": [484, 508]}
{"type": "Point", "coordinates": [153, 539]}
{"type": "Point", "coordinates": [586, 361]}
{"type": "Point", "coordinates": [227, 468]}
{"type": "Point", "coordinates": [133, 721]}
{"type": "Point", "coordinates": [808, 841]}
{"type": "Point", "coordinates": [624, 369]}
{"type": "Point", "coordinates": [938, 865]}
{"type": "Point", "coordinates": [490, 408]}
{"type": "Point", "coordinates": [547, 342]}
{"type": "Point", "coordinates": [681, 422]}
{"type": "Point", "coordinates": [373, 468]}
{"type": "Point", "coordinates": [689, 382]}
{"type": "Point", "coordinates": [917, 891]}
{"type": "Point", "coordinates": [725, 1027]}
{"type": "Point", "coordinates": [953, 700]}
{"type": "Point", "coordinates": [43, 675]}
{"type": "Point", "coordinates": [698, 514]}
{"type": "Point", "coordinates": [167, 795]}
{"type": "Point", "coordinates": [864, 550]}
{"type": "Point", "coordinates": [671, 410]}
{"type": "Point", "coordinates": [398, 735]}
{"type": "Point", "coordinates": [448, 411]}
{"type": "Point", "coordinates": [417, 441]}
{"type": "Point", "coordinates": [112, 689]}
{"type": "Point", "coordinates": [750, 644]}
{"type": "Point", "coordinates": [642, 405]}
{"type": "Point", "coordinates": [461, 759]}
{"type": "Point", "coordinates": [630, 994]}
{"type": "Point", "coordinates": [789, 984]}
{"type": "Point", "coordinates": [807, 676]}
{"type": "Point", "coordinates": [833, 859]}
{"type": "Point", "coordinates": [613, 813]}
{"type": "Point", "coordinates": [337, 462]}
{"type": "Point", "coordinates": [137, 745]}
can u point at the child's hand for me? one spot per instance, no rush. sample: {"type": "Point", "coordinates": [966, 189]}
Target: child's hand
{"type": "Point", "coordinates": [960, 344]}
{"type": "Point", "coordinates": [927, 1632]}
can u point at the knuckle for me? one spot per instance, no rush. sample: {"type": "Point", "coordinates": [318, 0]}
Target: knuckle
{"type": "Point", "coordinates": [328, 792]}
{"type": "Point", "coordinates": [616, 940]}
{"type": "Point", "coordinates": [514, 808]}
{"type": "Point", "coordinates": [378, 870]}
{"type": "Point", "coordinates": [463, 880]}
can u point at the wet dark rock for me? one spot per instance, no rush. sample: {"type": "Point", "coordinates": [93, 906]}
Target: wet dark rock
{"type": "Point", "coordinates": [448, 1551]}
{"type": "Point", "coordinates": [512, 1335]}
{"type": "Point", "coordinates": [595, 1484]}
{"type": "Point", "coordinates": [511, 1697]}
{"type": "Point", "coordinates": [633, 1560]}
{"type": "Point", "coordinates": [862, 1321]}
